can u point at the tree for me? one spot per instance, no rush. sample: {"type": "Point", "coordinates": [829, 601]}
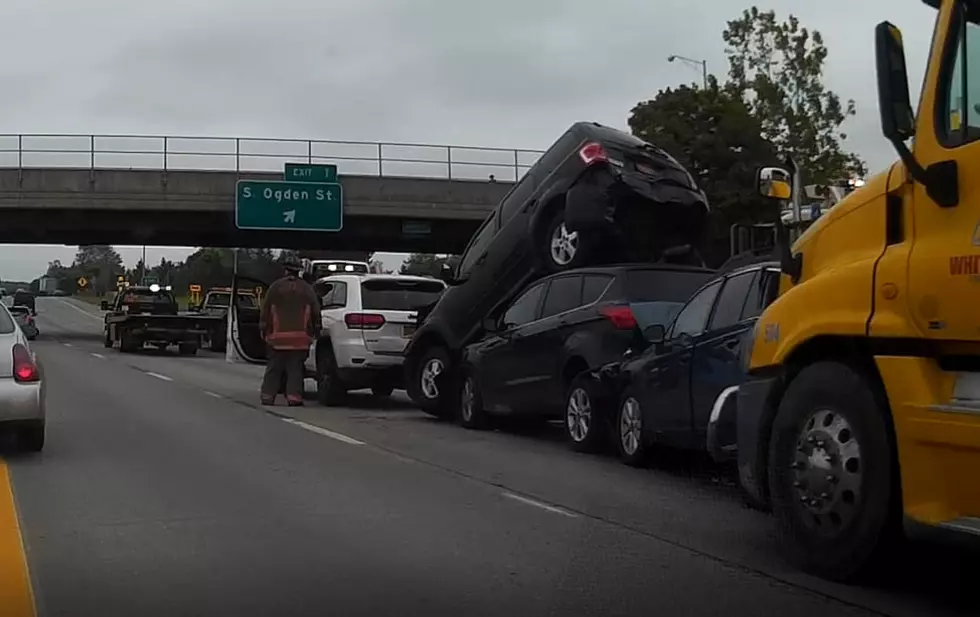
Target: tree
{"type": "Point", "coordinates": [99, 263]}
{"type": "Point", "coordinates": [719, 142]}
{"type": "Point", "coordinates": [776, 68]}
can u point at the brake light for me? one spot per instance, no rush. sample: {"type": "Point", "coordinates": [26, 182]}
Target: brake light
{"type": "Point", "coordinates": [620, 316]}
{"type": "Point", "coordinates": [364, 321]}
{"type": "Point", "coordinates": [592, 153]}
{"type": "Point", "coordinates": [25, 370]}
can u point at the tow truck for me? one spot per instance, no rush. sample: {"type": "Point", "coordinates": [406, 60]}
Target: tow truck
{"type": "Point", "coordinates": [141, 315]}
{"type": "Point", "coordinates": [860, 421]}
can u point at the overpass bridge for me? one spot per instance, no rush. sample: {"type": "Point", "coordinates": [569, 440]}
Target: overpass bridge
{"type": "Point", "coordinates": [180, 191]}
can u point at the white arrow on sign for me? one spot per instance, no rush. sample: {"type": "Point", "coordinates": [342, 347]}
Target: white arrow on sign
{"type": "Point", "coordinates": [289, 216]}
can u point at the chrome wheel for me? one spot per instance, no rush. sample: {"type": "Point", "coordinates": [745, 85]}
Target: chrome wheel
{"type": "Point", "coordinates": [578, 415]}
{"type": "Point", "coordinates": [827, 472]}
{"type": "Point", "coordinates": [630, 426]}
{"type": "Point", "coordinates": [564, 245]}
{"type": "Point", "coordinates": [430, 373]}
{"type": "Point", "coordinates": [467, 400]}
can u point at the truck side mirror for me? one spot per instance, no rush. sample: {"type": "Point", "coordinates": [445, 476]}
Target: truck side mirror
{"type": "Point", "coordinates": [446, 273]}
{"type": "Point", "coordinates": [894, 103]}
{"type": "Point", "coordinates": [774, 183]}
{"type": "Point", "coordinates": [104, 305]}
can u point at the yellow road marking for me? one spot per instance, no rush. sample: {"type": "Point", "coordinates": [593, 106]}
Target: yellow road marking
{"type": "Point", "coordinates": [16, 595]}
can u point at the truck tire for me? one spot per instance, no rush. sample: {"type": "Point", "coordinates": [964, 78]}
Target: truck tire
{"type": "Point", "coordinates": [833, 478]}
{"type": "Point", "coordinates": [108, 340]}
{"type": "Point", "coordinates": [430, 382]}
{"type": "Point", "coordinates": [126, 342]}
{"type": "Point", "coordinates": [330, 389]}
{"type": "Point", "coordinates": [187, 349]}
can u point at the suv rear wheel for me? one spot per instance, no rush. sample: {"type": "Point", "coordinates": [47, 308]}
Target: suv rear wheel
{"type": "Point", "coordinates": [330, 389]}
{"type": "Point", "coordinates": [429, 384]}
{"type": "Point", "coordinates": [562, 249]}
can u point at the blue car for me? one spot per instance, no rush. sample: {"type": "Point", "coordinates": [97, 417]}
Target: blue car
{"type": "Point", "coordinates": [678, 390]}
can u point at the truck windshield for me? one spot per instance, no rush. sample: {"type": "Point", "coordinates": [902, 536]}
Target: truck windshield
{"type": "Point", "coordinates": [399, 295]}
{"type": "Point", "coordinates": [656, 295]}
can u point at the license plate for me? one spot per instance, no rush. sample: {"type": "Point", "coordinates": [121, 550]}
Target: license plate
{"type": "Point", "coordinates": [408, 331]}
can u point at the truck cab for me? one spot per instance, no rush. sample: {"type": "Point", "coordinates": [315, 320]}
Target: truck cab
{"type": "Point", "coordinates": [861, 418]}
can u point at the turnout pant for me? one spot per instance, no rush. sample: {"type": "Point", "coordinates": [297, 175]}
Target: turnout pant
{"type": "Point", "coordinates": [284, 368]}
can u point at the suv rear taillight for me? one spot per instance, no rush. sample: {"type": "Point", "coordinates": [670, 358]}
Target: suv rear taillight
{"type": "Point", "coordinates": [592, 153]}
{"type": "Point", "coordinates": [25, 369]}
{"type": "Point", "coordinates": [364, 321]}
{"type": "Point", "coordinates": [620, 316]}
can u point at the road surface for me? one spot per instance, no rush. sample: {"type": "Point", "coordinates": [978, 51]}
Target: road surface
{"type": "Point", "coordinates": [164, 489]}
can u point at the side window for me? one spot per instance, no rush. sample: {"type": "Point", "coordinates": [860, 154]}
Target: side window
{"type": "Point", "coordinates": [516, 198]}
{"type": "Point", "coordinates": [693, 318]}
{"type": "Point", "coordinates": [479, 244]}
{"type": "Point", "coordinates": [524, 309]}
{"type": "Point", "coordinates": [732, 299]}
{"type": "Point", "coordinates": [338, 295]}
{"type": "Point", "coordinates": [593, 286]}
{"type": "Point", "coordinates": [762, 294]}
{"type": "Point", "coordinates": [963, 92]}
{"type": "Point", "coordinates": [564, 294]}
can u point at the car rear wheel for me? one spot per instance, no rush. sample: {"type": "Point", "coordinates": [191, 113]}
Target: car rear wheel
{"type": "Point", "coordinates": [30, 438]}
{"type": "Point", "coordinates": [431, 382]}
{"type": "Point", "coordinates": [562, 249]}
{"type": "Point", "coordinates": [471, 411]}
{"type": "Point", "coordinates": [630, 434]}
{"type": "Point", "coordinates": [832, 478]}
{"type": "Point", "coordinates": [330, 389]}
{"type": "Point", "coordinates": [581, 414]}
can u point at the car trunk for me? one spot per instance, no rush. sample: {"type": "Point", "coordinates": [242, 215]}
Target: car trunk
{"type": "Point", "coordinates": [656, 295]}
{"type": "Point", "coordinates": [398, 301]}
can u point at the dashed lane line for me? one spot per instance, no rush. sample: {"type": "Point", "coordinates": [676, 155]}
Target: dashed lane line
{"type": "Point", "coordinates": [159, 376]}
{"type": "Point", "coordinates": [322, 431]}
{"type": "Point", "coordinates": [539, 504]}
{"type": "Point", "coordinates": [213, 394]}
{"type": "Point", "coordinates": [97, 355]}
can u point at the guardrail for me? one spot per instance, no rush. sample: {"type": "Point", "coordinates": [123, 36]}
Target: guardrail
{"type": "Point", "coordinates": [240, 154]}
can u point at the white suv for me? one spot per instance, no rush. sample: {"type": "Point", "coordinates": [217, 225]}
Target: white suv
{"type": "Point", "coordinates": [367, 322]}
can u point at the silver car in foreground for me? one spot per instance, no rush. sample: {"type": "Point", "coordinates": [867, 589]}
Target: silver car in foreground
{"type": "Point", "coordinates": [22, 390]}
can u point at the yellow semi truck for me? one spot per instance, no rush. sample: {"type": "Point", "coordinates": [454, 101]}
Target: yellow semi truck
{"type": "Point", "coordinates": [860, 420]}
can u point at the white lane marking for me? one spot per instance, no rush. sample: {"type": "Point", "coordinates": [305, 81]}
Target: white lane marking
{"type": "Point", "coordinates": [540, 504]}
{"type": "Point", "coordinates": [98, 355]}
{"type": "Point", "coordinates": [67, 344]}
{"type": "Point", "coordinates": [322, 431]}
{"type": "Point", "coordinates": [81, 310]}
{"type": "Point", "coordinates": [159, 376]}
{"type": "Point", "coordinates": [214, 394]}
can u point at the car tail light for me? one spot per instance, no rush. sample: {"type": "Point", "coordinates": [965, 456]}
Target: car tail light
{"type": "Point", "coordinates": [364, 321]}
{"type": "Point", "coordinates": [620, 316]}
{"type": "Point", "coordinates": [25, 369]}
{"type": "Point", "coordinates": [592, 153]}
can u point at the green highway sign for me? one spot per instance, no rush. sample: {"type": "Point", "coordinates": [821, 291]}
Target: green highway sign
{"type": "Point", "coordinates": [308, 172]}
{"type": "Point", "coordinates": [300, 206]}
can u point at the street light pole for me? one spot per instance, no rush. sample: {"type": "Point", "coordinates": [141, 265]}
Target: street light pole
{"type": "Point", "coordinates": [143, 267]}
{"type": "Point", "coordinates": [702, 63]}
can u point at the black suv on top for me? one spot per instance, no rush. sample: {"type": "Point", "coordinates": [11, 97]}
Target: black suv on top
{"type": "Point", "coordinates": [597, 195]}
{"type": "Point", "coordinates": [563, 326]}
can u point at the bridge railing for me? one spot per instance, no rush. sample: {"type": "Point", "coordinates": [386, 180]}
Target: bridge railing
{"type": "Point", "coordinates": [242, 154]}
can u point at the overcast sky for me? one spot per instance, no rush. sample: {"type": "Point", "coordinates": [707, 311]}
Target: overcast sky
{"type": "Point", "coordinates": [509, 73]}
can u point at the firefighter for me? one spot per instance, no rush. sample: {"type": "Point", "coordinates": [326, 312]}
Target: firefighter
{"type": "Point", "coordinates": [289, 322]}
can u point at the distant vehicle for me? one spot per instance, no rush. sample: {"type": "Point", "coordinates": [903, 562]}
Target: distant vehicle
{"type": "Point", "coordinates": [680, 390]}
{"type": "Point", "coordinates": [561, 327]}
{"type": "Point", "coordinates": [22, 391]}
{"type": "Point", "coordinates": [25, 319]}
{"type": "Point", "coordinates": [316, 269]}
{"type": "Point", "coordinates": [149, 315]}
{"type": "Point", "coordinates": [598, 195]}
{"type": "Point", "coordinates": [47, 285]}
{"type": "Point", "coordinates": [22, 297]}
{"type": "Point", "coordinates": [367, 321]}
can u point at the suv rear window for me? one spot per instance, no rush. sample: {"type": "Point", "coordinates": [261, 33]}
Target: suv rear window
{"type": "Point", "coordinates": [657, 295]}
{"type": "Point", "coordinates": [399, 295]}
{"type": "Point", "coordinates": [148, 297]}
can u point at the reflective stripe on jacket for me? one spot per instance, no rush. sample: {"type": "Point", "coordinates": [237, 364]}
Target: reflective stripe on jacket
{"type": "Point", "coordinates": [290, 317]}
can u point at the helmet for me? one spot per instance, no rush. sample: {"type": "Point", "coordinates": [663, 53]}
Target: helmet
{"type": "Point", "coordinates": [291, 264]}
